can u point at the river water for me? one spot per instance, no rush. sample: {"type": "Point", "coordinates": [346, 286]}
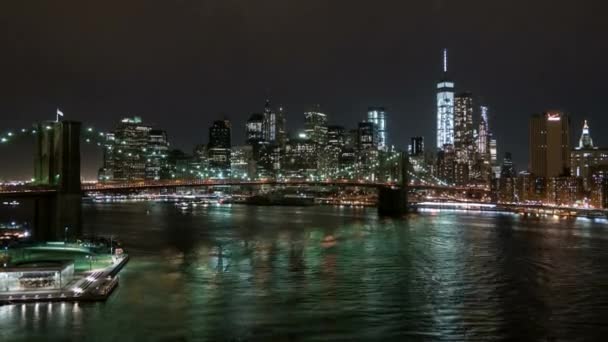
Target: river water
{"type": "Point", "coordinates": [245, 273]}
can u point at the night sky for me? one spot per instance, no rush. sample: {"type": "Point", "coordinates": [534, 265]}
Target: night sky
{"type": "Point", "coordinates": [181, 64]}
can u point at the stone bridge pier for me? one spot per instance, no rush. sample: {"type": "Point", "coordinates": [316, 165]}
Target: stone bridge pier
{"type": "Point", "coordinates": [58, 215]}
{"type": "Point", "coordinates": [392, 201]}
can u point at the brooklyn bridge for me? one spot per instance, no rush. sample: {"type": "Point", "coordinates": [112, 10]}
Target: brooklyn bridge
{"type": "Point", "coordinates": [57, 191]}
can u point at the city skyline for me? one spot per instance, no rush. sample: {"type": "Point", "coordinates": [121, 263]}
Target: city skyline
{"type": "Point", "coordinates": [515, 72]}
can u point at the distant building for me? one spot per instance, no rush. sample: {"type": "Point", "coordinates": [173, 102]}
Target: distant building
{"type": "Point", "coordinates": [219, 148]}
{"type": "Point", "coordinates": [586, 156]}
{"type": "Point", "coordinates": [255, 129]}
{"type": "Point", "coordinates": [550, 145]}
{"type": "Point", "coordinates": [301, 157]}
{"type": "Point", "coordinates": [564, 190]}
{"type": "Point", "coordinates": [329, 160]}
{"type": "Point", "coordinates": [367, 137]}
{"type": "Point", "coordinates": [377, 115]}
{"type": "Point", "coordinates": [126, 152]}
{"type": "Point", "coordinates": [416, 147]}
{"type": "Point", "coordinates": [156, 154]}
{"type": "Point", "coordinates": [242, 164]}
{"type": "Point", "coordinates": [446, 163]}
{"type": "Point", "coordinates": [507, 169]}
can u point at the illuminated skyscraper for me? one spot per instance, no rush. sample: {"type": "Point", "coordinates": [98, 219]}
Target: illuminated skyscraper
{"type": "Point", "coordinates": [255, 129]}
{"type": "Point", "coordinates": [377, 115]}
{"type": "Point", "coordinates": [130, 141]}
{"type": "Point", "coordinates": [445, 107]}
{"type": "Point", "coordinates": [464, 144]}
{"type": "Point", "coordinates": [270, 123]}
{"type": "Point", "coordinates": [550, 144]}
{"type": "Point", "coordinates": [484, 166]}
{"type": "Point", "coordinates": [483, 140]}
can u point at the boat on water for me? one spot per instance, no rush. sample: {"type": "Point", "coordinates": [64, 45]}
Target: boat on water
{"type": "Point", "coordinates": [277, 199]}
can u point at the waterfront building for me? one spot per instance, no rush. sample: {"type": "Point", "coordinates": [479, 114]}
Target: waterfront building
{"type": "Point", "coordinates": [316, 126]}
{"type": "Point", "coordinates": [377, 115]}
{"type": "Point", "coordinates": [586, 156]}
{"type": "Point", "coordinates": [445, 107]}
{"type": "Point", "coordinates": [36, 276]}
{"type": "Point", "coordinates": [219, 149]}
{"type": "Point", "coordinates": [564, 190]}
{"type": "Point", "coordinates": [598, 186]}
{"type": "Point", "coordinates": [550, 144]}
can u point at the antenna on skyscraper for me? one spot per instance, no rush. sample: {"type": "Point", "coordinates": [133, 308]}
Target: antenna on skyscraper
{"type": "Point", "coordinates": [445, 60]}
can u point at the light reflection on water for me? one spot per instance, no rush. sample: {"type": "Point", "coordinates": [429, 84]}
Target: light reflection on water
{"type": "Point", "coordinates": [260, 273]}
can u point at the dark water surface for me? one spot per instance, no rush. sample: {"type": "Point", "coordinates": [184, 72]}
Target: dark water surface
{"type": "Point", "coordinates": [320, 273]}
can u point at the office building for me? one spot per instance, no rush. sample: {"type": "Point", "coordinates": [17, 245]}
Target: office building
{"type": "Point", "coordinates": [219, 149]}
{"type": "Point", "coordinates": [156, 154]}
{"type": "Point", "coordinates": [550, 145]}
{"type": "Point", "coordinates": [301, 157]}
{"type": "Point", "coordinates": [508, 169]}
{"type": "Point", "coordinates": [464, 142]}
{"type": "Point", "coordinates": [377, 115]}
{"type": "Point", "coordinates": [316, 126]}
{"type": "Point", "coordinates": [129, 154]}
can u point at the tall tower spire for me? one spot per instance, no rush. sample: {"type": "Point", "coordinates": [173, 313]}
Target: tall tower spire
{"type": "Point", "coordinates": [585, 142]}
{"type": "Point", "coordinates": [445, 60]}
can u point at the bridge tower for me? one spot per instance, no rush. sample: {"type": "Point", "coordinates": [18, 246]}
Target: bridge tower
{"type": "Point", "coordinates": [392, 201]}
{"type": "Point", "coordinates": [57, 166]}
